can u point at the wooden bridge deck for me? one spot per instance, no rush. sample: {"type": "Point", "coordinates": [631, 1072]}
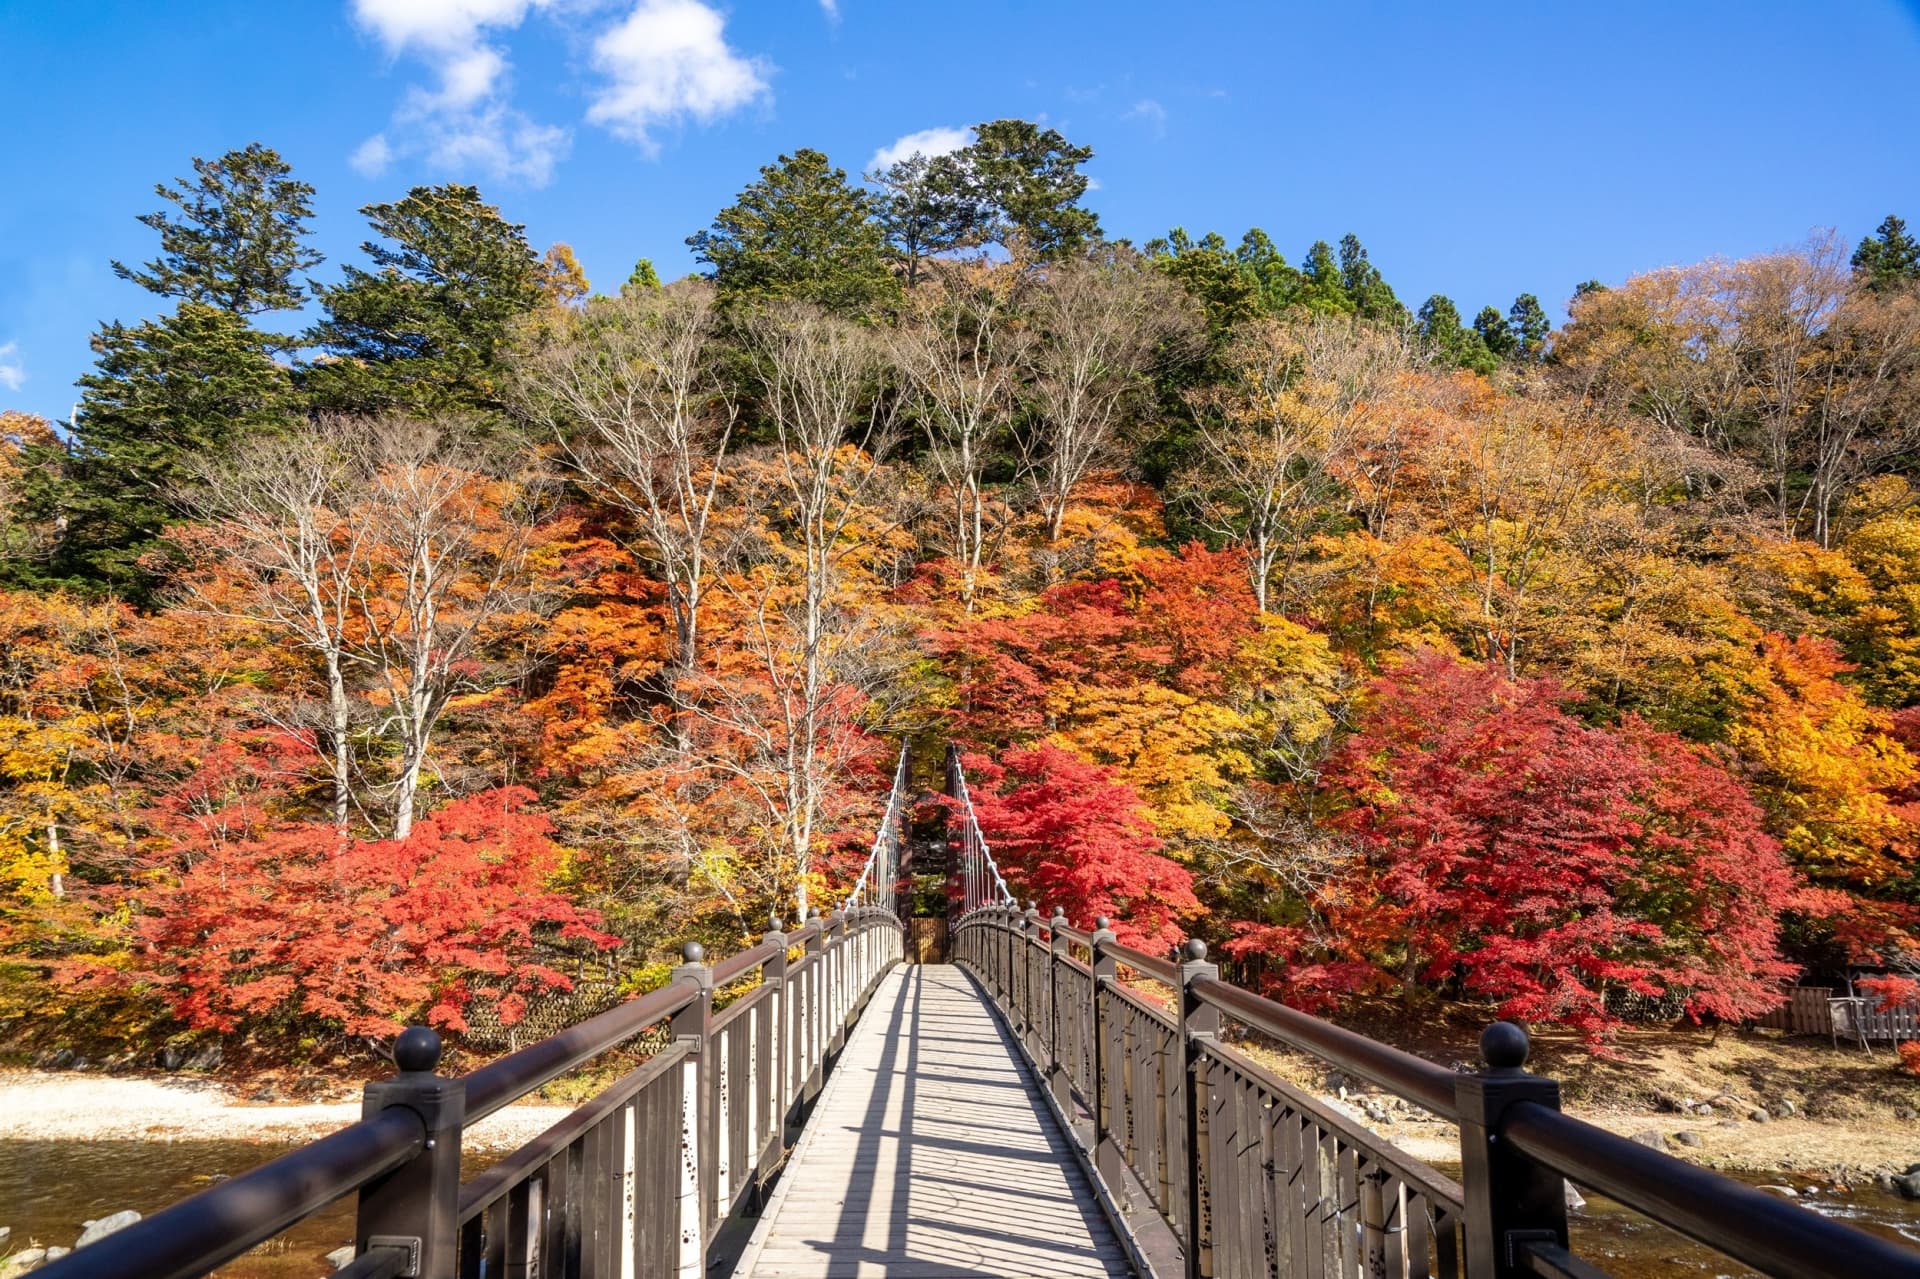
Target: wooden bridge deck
{"type": "Point", "coordinates": [930, 1155]}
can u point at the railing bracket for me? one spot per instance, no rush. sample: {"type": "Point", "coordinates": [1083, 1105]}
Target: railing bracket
{"type": "Point", "coordinates": [409, 1244]}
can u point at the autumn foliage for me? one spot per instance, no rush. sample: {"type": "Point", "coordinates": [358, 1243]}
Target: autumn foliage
{"type": "Point", "coordinates": [1502, 846]}
{"type": "Point", "coordinates": [302, 922]}
{"type": "Point", "coordinates": [513, 631]}
{"type": "Point", "coordinates": [1068, 833]}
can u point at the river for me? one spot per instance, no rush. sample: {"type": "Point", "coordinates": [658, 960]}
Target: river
{"type": "Point", "coordinates": [48, 1188]}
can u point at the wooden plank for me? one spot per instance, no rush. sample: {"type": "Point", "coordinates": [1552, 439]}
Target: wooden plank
{"type": "Point", "coordinates": [931, 1153]}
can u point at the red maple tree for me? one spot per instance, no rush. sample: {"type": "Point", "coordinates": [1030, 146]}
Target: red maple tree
{"type": "Point", "coordinates": [1067, 833]}
{"type": "Point", "coordinates": [302, 922]}
{"type": "Point", "coordinates": [1510, 851]}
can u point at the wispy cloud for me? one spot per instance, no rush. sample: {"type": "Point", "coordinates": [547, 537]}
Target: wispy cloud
{"type": "Point", "coordinates": [1149, 113]}
{"type": "Point", "coordinates": [831, 8]}
{"type": "Point", "coordinates": [465, 121]}
{"type": "Point", "coordinates": [13, 375]}
{"type": "Point", "coordinates": [663, 62]}
{"type": "Point", "coordinates": [667, 61]}
{"type": "Point", "coordinates": [938, 140]}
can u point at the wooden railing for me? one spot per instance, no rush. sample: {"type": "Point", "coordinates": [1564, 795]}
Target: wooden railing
{"type": "Point", "coordinates": [637, 1182]}
{"type": "Point", "coordinates": [1244, 1175]}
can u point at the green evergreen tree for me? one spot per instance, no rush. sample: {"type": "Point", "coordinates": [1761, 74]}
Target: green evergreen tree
{"type": "Point", "coordinates": [236, 236]}
{"type": "Point", "coordinates": [164, 396]}
{"type": "Point", "coordinates": [1453, 344]}
{"type": "Point", "coordinates": [927, 205]}
{"type": "Point", "coordinates": [1494, 332]}
{"type": "Point", "coordinates": [801, 231]}
{"type": "Point", "coordinates": [422, 332]}
{"type": "Point", "coordinates": [1369, 292]}
{"type": "Point", "coordinates": [1321, 287]}
{"type": "Point", "coordinates": [644, 277]}
{"type": "Point", "coordinates": [1030, 178]}
{"type": "Point", "coordinates": [1276, 283]}
{"type": "Point", "coordinates": [1527, 321]}
{"type": "Point", "coordinates": [1228, 293]}
{"type": "Point", "coordinates": [1889, 257]}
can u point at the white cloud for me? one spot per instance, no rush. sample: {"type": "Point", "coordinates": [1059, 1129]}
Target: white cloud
{"type": "Point", "coordinates": [12, 374]}
{"type": "Point", "coordinates": [668, 60]}
{"type": "Point", "coordinates": [663, 62]}
{"type": "Point", "coordinates": [831, 8]}
{"type": "Point", "coordinates": [371, 158]}
{"type": "Point", "coordinates": [464, 123]}
{"type": "Point", "coordinates": [938, 140]}
{"type": "Point", "coordinates": [1149, 112]}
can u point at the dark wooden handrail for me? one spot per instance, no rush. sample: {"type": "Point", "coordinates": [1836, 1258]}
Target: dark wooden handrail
{"type": "Point", "coordinates": [1412, 1078]}
{"type": "Point", "coordinates": [1768, 1233]}
{"type": "Point", "coordinates": [498, 1083]}
{"type": "Point", "coordinates": [376, 1156]}
{"type": "Point", "coordinates": [221, 1222]}
{"type": "Point", "coordinates": [1177, 1118]}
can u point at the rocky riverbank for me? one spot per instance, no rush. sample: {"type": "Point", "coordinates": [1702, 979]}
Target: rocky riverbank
{"type": "Point", "coordinates": [39, 1105]}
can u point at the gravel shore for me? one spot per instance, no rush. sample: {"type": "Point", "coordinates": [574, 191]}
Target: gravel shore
{"type": "Point", "coordinates": [37, 1105]}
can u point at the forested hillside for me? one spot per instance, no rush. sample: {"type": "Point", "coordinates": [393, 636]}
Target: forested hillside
{"type": "Point", "coordinates": [405, 637]}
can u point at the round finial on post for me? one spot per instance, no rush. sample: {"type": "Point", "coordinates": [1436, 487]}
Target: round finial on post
{"type": "Point", "coordinates": [1102, 922]}
{"type": "Point", "coordinates": [416, 1050]}
{"type": "Point", "coordinates": [1194, 951]}
{"type": "Point", "coordinates": [1060, 914]}
{"type": "Point", "coordinates": [1504, 1046]}
{"type": "Point", "coordinates": [693, 953]}
{"type": "Point", "coordinates": [773, 922]}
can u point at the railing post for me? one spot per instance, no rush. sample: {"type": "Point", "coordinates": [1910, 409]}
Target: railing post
{"type": "Point", "coordinates": [692, 1026]}
{"type": "Point", "coordinates": [1010, 923]}
{"type": "Point", "coordinates": [836, 976]}
{"type": "Point", "coordinates": [1106, 1058]}
{"type": "Point", "coordinates": [1199, 1026]}
{"type": "Point", "coordinates": [1030, 1010]}
{"type": "Point", "coordinates": [811, 985]}
{"type": "Point", "coordinates": [772, 1064]}
{"type": "Point", "coordinates": [1057, 1075]}
{"type": "Point", "coordinates": [414, 1206]}
{"type": "Point", "coordinates": [1510, 1200]}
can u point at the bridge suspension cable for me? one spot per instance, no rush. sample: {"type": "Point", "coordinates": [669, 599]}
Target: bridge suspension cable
{"type": "Point", "coordinates": [981, 883]}
{"type": "Point", "coordinates": [879, 880]}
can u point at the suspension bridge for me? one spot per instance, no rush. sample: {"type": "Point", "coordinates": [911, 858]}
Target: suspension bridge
{"type": "Point", "coordinates": [1050, 1103]}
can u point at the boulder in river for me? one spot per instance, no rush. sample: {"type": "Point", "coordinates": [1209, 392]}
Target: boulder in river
{"type": "Point", "coordinates": [1907, 1185]}
{"type": "Point", "coordinates": [98, 1230]}
{"type": "Point", "coordinates": [23, 1261]}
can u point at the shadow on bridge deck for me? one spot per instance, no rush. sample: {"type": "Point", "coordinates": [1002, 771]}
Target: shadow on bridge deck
{"type": "Point", "coordinates": [930, 1155]}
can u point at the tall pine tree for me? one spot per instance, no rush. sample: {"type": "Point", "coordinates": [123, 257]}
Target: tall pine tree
{"type": "Point", "coordinates": [1889, 257]}
{"type": "Point", "coordinates": [165, 397]}
{"type": "Point", "coordinates": [800, 231]}
{"type": "Point", "coordinates": [423, 331]}
{"type": "Point", "coordinates": [236, 236]}
{"type": "Point", "coordinates": [1031, 180]}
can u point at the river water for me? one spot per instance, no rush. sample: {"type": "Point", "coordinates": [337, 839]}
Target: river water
{"type": "Point", "coordinates": [47, 1189]}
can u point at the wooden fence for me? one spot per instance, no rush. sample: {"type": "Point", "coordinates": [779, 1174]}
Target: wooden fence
{"type": "Point", "coordinates": [1806, 1012]}
{"type": "Point", "coordinates": [1817, 1010]}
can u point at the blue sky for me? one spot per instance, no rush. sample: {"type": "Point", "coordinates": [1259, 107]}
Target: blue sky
{"type": "Point", "coordinates": [1479, 151]}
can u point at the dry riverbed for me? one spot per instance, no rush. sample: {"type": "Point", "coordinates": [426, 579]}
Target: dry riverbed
{"type": "Point", "coordinates": [38, 1105]}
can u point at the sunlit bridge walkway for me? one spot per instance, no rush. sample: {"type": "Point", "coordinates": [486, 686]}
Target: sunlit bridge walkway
{"type": "Point", "coordinates": [931, 1154]}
